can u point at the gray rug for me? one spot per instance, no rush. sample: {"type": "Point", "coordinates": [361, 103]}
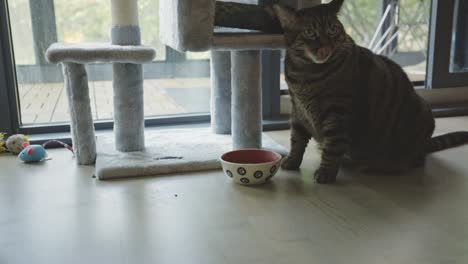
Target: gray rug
{"type": "Point", "coordinates": [168, 151]}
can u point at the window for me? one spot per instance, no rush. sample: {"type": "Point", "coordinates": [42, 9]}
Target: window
{"type": "Point", "coordinates": [198, 55]}
{"type": "Point", "coordinates": [177, 85]}
{"type": "Point", "coordinates": [459, 52]}
{"type": "Point", "coordinates": [173, 84]}
{"type": "Point", "coordinates": [447, 65]}
{"type": "Point", "coordinates": [396, 29]}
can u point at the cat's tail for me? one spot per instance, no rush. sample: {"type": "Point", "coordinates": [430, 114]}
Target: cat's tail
{"type": "Point", "coordinates": [450, 140]}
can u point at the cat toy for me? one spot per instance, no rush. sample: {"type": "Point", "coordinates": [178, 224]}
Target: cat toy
{"type": "Point", "coordinates": [38, 153]}
{"type": "Point", "coordinates": [14, 143]}
{"type": "Point", "coordinates": [2, 143]}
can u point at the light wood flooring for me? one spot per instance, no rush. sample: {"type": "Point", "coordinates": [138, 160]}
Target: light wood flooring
{"type": "Point", "coordinates": [56, 212]}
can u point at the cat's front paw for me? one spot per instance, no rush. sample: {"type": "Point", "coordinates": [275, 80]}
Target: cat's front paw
{"type": "Point", "coordinates": [324, 176]}
{"type": "Point", "coordinates": [289, 163]}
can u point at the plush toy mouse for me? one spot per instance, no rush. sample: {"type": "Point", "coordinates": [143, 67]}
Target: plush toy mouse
{"type": "Point", "coordinates": [37, 153]}
{"type": "Point", "coordinates": [33, 153]}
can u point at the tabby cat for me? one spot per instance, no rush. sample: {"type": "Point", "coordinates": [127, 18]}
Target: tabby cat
{"type": "Point", "coordinates": [360, 107]}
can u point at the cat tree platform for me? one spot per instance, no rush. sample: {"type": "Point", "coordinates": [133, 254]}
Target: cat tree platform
{"type": "Point", "coordinates": [85, 53]}
{"type": "Point", "coordinates": [73, 58]}
{"type": "Point", "coordinates": [168, 151]}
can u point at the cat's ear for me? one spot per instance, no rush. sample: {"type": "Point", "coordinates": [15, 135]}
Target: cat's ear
{"type": "Point", "coordinates": [335, 6]}
{"type": "Point", "coordinates": [286, 16]}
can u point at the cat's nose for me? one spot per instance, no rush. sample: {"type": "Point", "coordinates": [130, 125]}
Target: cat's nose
{"type": "Point", "coordinates": [324, 52]}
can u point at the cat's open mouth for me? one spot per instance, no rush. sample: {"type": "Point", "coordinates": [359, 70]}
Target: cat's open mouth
{"type": "Point", "coordinates": [320, 55]}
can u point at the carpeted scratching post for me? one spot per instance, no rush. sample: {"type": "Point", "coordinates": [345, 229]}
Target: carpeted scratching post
{"type": "Point", "coordinates": [246, 99]}
{"type": "Point", "coordinates": [81, 123]}
{"type": "Point", "coordinates": [129, 118]}
{"type": "Point", "coordinates": [221, 92]}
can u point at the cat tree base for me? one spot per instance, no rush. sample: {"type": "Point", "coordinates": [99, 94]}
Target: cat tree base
{"type": "Point", "coordinates": [166, 152]}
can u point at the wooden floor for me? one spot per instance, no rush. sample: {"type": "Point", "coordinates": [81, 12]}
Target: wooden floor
{"type": "Point", "coordinates": [56, 212]}
{"type": "Point", "coordinates": [47, 102]}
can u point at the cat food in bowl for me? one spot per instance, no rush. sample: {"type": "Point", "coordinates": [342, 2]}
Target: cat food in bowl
{"type": "Point", "coordinates": [250, 166]}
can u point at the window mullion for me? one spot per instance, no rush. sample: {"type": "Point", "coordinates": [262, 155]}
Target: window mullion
{"type": "Point", "coordinates": [9, 118]}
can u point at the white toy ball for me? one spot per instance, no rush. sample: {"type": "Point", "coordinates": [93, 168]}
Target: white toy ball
{"type": "Point", "coordinates": [14, 143]}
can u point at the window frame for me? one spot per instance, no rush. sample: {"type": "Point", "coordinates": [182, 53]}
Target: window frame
{"type": "Point", "coordinates": [8, 94]}
{"type": "Point", "coordinates": [440, 47]}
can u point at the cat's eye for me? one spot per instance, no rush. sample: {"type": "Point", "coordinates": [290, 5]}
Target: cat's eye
{"type": "Point", "coordinates": [310, 34]}
{"type": "Point", "coordinates": [332, 30]}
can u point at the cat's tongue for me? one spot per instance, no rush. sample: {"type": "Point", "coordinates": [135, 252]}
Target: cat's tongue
{"type": "Point", "coordinates": [323, 53]}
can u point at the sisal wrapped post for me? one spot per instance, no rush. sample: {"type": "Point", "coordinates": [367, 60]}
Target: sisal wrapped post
{"type": "Point", "coordinates": [129, 117]}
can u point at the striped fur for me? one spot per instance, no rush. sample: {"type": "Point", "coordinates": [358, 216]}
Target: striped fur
{"type": "Point", "coordinates": [446, 141]}
{"type": "Point", "coordinates": [358, 106]}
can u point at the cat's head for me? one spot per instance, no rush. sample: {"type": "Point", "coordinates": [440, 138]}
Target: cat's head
{"type": "Point", "coordinates": [314, 33]}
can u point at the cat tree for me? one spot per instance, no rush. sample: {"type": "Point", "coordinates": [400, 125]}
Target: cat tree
{"type": "Point", "coordinates": [236, 105]}
{"type": "Point", "coordinates": [186, 25]}
{"type": "Point", "coordinates": [126, 54]}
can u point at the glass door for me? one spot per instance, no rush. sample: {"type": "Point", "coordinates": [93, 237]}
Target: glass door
{"type": "Point", "coordinates": [448, 53]}
{"type": "Point", "coordinates": [459, 49]}
{"type": "Point", "coordinates": [173, 85]}
{"type": "Point", "coordinates": [398, 29]}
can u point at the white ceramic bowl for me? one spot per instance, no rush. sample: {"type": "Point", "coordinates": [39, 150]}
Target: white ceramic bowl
{"type": "Point", "coordinates": [250, 166]}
